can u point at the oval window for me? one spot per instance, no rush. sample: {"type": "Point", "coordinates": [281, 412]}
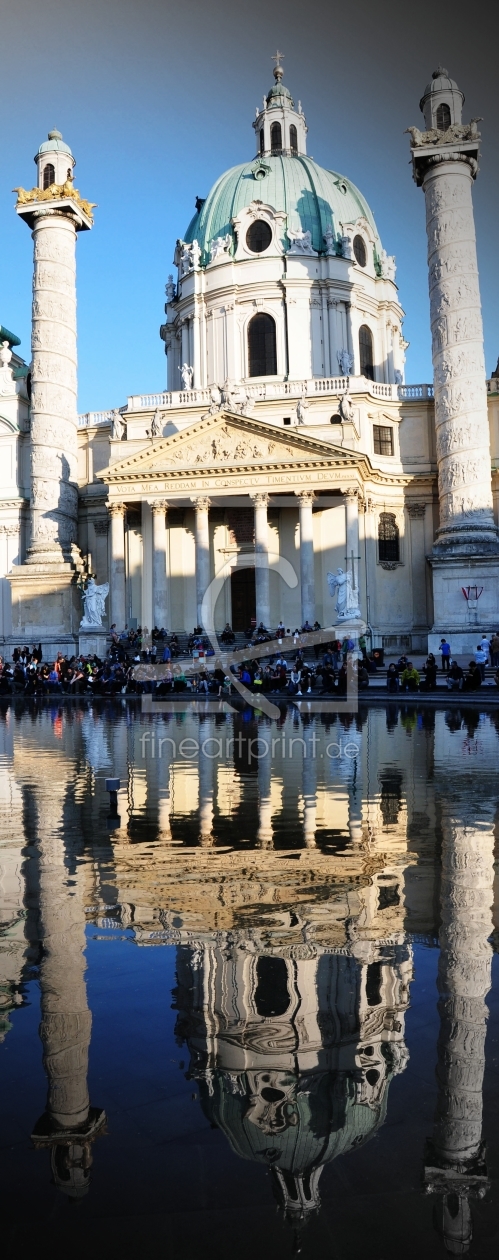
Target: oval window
{"type": "Point", "coordinates": [359, 250]}
{"type": "Point", "coordinates": [258, 236]}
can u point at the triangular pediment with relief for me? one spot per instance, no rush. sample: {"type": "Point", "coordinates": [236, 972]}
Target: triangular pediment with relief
{"type": "Point", "coordinates": [230, 443]}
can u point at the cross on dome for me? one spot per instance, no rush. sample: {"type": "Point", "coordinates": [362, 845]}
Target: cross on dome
{"type": "Point", "coordinates": [278, 69]}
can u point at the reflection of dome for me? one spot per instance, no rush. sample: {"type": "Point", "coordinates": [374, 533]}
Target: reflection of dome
{"type": "Point", "coordinates": [313, 198]}
{"type": "Point", "coordinates": [318, 1117]}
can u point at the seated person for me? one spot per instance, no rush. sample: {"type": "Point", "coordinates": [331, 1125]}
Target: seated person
{"type": "Point", "coordinates": [455, 677]}
{"type": "Point", "coordinates": [227, 636]}
{"type": "Point", "coordinates": [409, 678]}
{"type": "Point", "coordinates": [392, 678]}
{"type": "Point", "coordinates": [327, 680]}
{"type": "Point", "coordinates": [341, 685]}
{"type": "Point", "coordinates": [430, 674]}
{"type": "Point", "coordinates": [473, 679]}
{"type": "Point", "coordinates": [363, 678]}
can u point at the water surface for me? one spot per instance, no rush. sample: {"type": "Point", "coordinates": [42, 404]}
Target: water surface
{"type": "Point", "coordinates": [253, 1009]}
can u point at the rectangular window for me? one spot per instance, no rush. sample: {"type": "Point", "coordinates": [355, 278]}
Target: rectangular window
{"type": "Point", "coordinates": [383, 439]}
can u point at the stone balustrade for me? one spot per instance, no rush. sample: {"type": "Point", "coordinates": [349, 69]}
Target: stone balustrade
{"type": "Point", "coordinates": [266, 392]}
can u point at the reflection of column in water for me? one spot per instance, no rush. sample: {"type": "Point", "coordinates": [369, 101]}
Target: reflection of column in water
{"type": "Point", "coordinates": [206, 776]}
{"type": "Point", "coordinates": [69, 1124]}
{"type": "Point", "coordinates": [455, 1157]}
{"type": "Point", "coordinates": [309, 787]}
{"type": "Point", "coordinates": [265, 834]}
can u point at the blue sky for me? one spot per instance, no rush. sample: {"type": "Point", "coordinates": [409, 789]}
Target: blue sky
{"type": "Point", "coordinates": [156, 99]}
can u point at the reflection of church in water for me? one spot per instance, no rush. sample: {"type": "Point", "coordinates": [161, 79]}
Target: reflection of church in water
{"type": "Point", "coordinates": [294, 1054]}
{"type": "Point", "coordinates": [292, 975]}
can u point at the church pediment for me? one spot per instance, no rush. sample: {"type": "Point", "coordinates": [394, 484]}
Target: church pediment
{"type": "Point", "coordinates": [231, 444]}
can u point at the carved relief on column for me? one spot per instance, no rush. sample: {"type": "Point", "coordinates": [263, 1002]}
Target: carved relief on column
{"type": "Point", "coordinates": [54, 491]}
{"type": "Point", "coordinates": [462, 430]}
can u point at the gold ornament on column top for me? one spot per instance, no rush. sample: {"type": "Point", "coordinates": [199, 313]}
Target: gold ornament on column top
{"type": "Point", "coordinates": [56, 192]}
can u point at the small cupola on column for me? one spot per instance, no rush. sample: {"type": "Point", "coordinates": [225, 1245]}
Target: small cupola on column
{"type": "Point", "coordinates": [280, 128]}
{"type": "Point", "coordinates": [54, 160]}
{"type": "Point", "coordinates": [442, 101]}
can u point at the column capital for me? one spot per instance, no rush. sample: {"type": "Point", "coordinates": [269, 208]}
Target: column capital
{"type": "Point", "coordinates": [416, 510]}
{"type": "Point", "coordinates": [159, 507]}
{"type": "Point", "coordinates": [116, 509]}
{"type": "Point", "coordinates": [201, 501]}
{"type": "Point", "coordinates": [305, 497]}
{"type": "Point", "coordinates": [260, 498]}
{"type": "Point", "coordinates": [350, 492]}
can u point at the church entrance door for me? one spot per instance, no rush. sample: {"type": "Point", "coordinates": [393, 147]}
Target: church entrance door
{"type": "Point", "coordinates": [243, 596]}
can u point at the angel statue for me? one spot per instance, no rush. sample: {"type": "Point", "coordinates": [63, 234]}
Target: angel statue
{"type": "Point", "coordinates": [94, 606]}
{"type": "Point", "coordinates": [347, 600]}
{"type": "Point", "coordinates": [156, 429]}
{"type": "Point", "coordinates": [187, 374]}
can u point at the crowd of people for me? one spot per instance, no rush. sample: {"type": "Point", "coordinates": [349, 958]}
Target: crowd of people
{"type": "Point", "coordinates": [323, 668]}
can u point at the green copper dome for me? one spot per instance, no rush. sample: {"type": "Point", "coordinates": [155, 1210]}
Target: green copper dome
{"type": "Point", "coordinates": [55, 144]}
{"type": "Point", "coordinates": [313, 198]}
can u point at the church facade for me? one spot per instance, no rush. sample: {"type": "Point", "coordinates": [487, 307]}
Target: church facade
{"type": "Point", "coordinates": [287, 444]}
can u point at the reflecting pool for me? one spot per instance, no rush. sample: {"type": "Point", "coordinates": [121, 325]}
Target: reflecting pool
{"type": "Point", "coordinates": [251, 1007]}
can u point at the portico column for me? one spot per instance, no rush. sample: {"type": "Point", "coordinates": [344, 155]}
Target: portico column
{"type": "Point", "coordinates": [159, 508]}
{"type": "Point", "coordinates": [117, 564]}
{"type": "Point", "coordinates": [262, 549]}
{"type": "Point", "coordinates": [305, 500]}
{"type": "Point", "coordinates": [202, 553]}
{"type": "Point", "coordinates": [352, 535]}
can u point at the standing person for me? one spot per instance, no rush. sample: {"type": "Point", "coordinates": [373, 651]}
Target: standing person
{"type": "Point", "coordinates": [445, 651]}
{"type": "Point", "coordinates": [494, 650]}
{"type": "Point", "coordinates": [485, 645]}
{"type": "Point", "coordinates": [481, 660]}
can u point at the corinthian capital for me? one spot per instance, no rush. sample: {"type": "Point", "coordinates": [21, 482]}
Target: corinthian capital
{"type": "Point", "coordinates": [201, 501]}
{"type": "Point", "coordinates": [116, 509]}
{"type": "Point", "coordinates": [159, 507]}
{"type": "Point", "coordinates": [305, 497]}
{"type": "Point", "coordinates": [260, 498]}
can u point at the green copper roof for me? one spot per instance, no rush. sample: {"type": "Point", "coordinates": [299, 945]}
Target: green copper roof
{"type": "Point", "coordinates": [55, 144]}
{"type": "Point", "coordinates": [5, 335]}
{"type": "Point", "coordinates": [313, 198]}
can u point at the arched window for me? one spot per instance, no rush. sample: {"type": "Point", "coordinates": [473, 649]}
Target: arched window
{"type": "Point", "coordinates": [262, 354]}
{"type": "Point", "coordinates": [388, 537]}
{"type": "Point", "coordinates": [48, 175]}
{"type": "Point", "coordinates": [293, 140]}
{"type": "Point", "coordinates": [262, 142]}
{"type": "Point", "coordinates": [443, 117]}
{"type": "Point", "coordinates": [366, 352]}
{"type": "Point", "coordinates": [275, 138]}
{"type": "Point", "coordinates": [359, 249]}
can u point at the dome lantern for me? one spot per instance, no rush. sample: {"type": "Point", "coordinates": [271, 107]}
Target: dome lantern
{"type": "Point", "coordinates": [280, 128]}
